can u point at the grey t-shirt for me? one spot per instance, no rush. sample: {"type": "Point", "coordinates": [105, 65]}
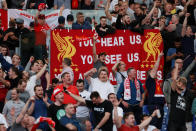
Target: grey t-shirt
{"type": "Point", "coordinates": [24, 96]}
{"type": "Point", "coordinates": [66, 3]}
{"type": "Point", "coordinates": [17, 127]}
{"type": "Point", "coordinates": [18, 105]}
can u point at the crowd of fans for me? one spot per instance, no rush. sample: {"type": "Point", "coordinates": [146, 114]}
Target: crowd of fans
{"type": "Point", "coordinates": [29, 102]}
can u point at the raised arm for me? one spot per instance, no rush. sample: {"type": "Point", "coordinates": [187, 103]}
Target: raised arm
{"type": "Point", "coordinates": [147, 121]}
{"type": "Point", "coordinates": [156, 66]}
{"type": "Point", "coordinates": [89, 73]}
{"type": "Point", "coordinates": [76, 97]}
{"type": "Point", "coordinates": [114, 68]}
{"type": "Point", "coordinates": [184, 25]}
{"type": "Point", "coordinates": [61, 10]}
{"type": "Point", "coordinates": [107, 13]}
{"type": "Point", "coordinates": [27, 67]}
{"type": "Point", "coordinates": [41, 72]}
{"type": "Point", "coordinates": [22, 113]}
{"type": "Point", "coordinates": [189, 68]}
{"type": "Point", "coordinates": [94, 49]}
{"type": "Point", "coordinates": [173, 85]}
{"type": "Point", "coordinates": [150, 13]}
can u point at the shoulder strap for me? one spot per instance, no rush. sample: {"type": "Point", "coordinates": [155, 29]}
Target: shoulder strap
{"type": "Point", "coordinates": [123, 77]}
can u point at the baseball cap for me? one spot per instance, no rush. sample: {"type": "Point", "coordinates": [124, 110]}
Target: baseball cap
{"type": "Point", "coordinates": [56, 91]}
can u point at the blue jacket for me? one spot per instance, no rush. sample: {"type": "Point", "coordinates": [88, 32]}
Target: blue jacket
{"type": "Point", "coordinates": [86, 25]}
{"type": "Point", "coordinates": [6, 66]}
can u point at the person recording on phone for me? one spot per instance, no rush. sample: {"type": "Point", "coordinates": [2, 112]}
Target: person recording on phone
{"type": "Point", "coordinates": [181, 102]}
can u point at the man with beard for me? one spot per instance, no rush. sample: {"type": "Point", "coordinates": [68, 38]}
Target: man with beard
{"type": "Point", "coordinates": [55, 108]}
{"type": "Point", "coordinates": [103, 29]}
{"type": "Point", "coordinates": [39, 106]}
{"type": "Point", "coordinates": [181, 102]}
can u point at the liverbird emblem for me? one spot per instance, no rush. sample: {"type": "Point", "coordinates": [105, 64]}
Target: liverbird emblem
{"type": "Point", "coordinates": [65, 46]}
{"type": "Point", "coordinates": [151, 45]}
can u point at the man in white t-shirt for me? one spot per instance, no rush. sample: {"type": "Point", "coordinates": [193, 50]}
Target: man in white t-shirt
{"type": "Point", "coordinates": [101, 84]}
{"type": "Point", "coordinates": [112, 97]}
{"type": "Point", "coordinates": [82, 112]}
{"type": "Point", "coordinates": [32, 81]}
{"type": "Point", "coordinates": [148, 127]}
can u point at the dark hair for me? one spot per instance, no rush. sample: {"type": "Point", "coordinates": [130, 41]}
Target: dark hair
{"type": "Point", "coordinates": [79, 13]}
{"type": "Point", "coordinates": [61, 20]}
{"type": "Point", "coordinates": [65, 106]}
{"type": "Point", "coordinates": [102, 53]}
{"type": "Point", "coordinates": [64, 74]}
{"type": "Point", "coordinates": [178, 57]}
{"type": "Point", "coordinates": [103, 17]}
{"type": "Point", "coordinates": [21, 81]}
{"type": "Point", "coordinates": [131, 68]}
{"type": "Point", "coordinates": [70, 17]}
{"type": "Point", "coordinates": [5, 46]}
{"type": "Point", "coordinates": [55, 80]}
{"type": "Point", "coordinates": [94, 94]}
{"type": "Point", "coordinates": [33, 63]}
{"type": "Point", "coordinates": [14, 69]}
{"type": "Point", "coordinates": [80, 81]}
{"type": "Point", "coordinates": [144, 115]}
{"type": "Point", "coordinates": [127, 114]}
{"type": "Point", "coordinates": [67, 61]}
{"type": "Point", "coordinates": [37, 86]}
{"type": "Point", "coordinates": [110, 95]}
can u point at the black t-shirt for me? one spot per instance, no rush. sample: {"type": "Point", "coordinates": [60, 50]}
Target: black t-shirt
{"type": "Point", "coordinates": [13, 82]}
{"type": "Point", "coordinates": [52, 113]}
{"type": "Point", "coordinates": [180, 106]}
{"type": "Point", "coordinates": [99, 112]}
{"type": "Point", "coordinates": [151, 87]}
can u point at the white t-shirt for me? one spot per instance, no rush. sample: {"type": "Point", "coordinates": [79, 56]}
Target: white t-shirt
{"type": "Point", "coordinates": [120, 113]}
{"type": "Point", "coordinates": [103, 88]}
{"type": "Point", "coordinates": [150, 128]}
{"type": "Point", "coordinates": [113, 19]}
{"type": "Point", "coordinates": [3, 121]}
{"type": "Point", "coordinates": [83, 111]}
{"type": "Point", "coordinates": [30, 85]}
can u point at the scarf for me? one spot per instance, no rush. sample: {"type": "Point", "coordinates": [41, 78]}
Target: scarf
{"type": "Point", "coordinates": [127, 90]}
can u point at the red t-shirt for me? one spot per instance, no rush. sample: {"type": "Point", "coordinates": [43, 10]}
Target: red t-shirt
{"type": "Point", "coordinates": [68, 98]}
{"type": "Point", "coordinates": [128, 128]}
{"type": "Point", "coordinates": [3, 92]}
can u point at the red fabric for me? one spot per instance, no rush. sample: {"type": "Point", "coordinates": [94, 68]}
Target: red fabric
{"type": "Point", "coordinates": [3, 92]}
{"type": "Point", "coordinates": [74, 4]}
{"type": "Point", "coordinates": [4, 20]}
{"type": "Point", "coordinates": [127, 128]}
{"type": "Point", "coordinates": [136, 50]}
{"type": "Point", "coordinates": [68, 98]}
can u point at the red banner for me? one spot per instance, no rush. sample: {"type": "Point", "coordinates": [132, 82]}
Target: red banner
{"type": "Point", "coordinates": [3, 19]}
{"type": "Point", "coordinates": [136, 50]}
